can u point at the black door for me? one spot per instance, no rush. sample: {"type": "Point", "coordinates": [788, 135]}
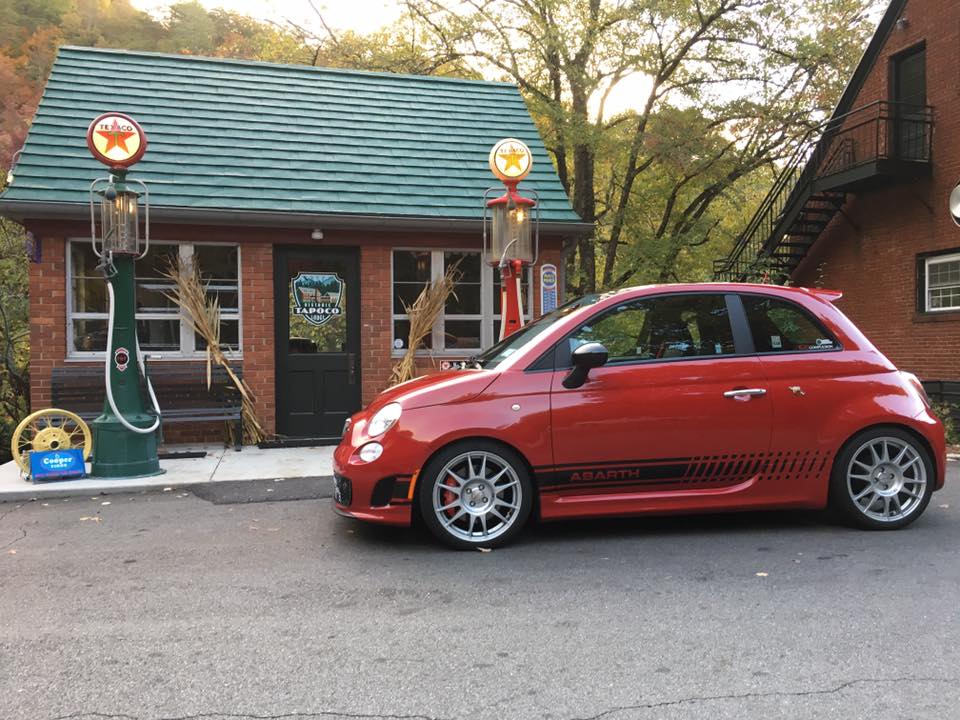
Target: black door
{"type": "Point", "coordinates": [909, 81]}
{"type": "Point", "coordinates": [317, 296]}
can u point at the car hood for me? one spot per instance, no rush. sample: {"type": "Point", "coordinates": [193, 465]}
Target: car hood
{"type": "Point", "coordinates": [449, 386]}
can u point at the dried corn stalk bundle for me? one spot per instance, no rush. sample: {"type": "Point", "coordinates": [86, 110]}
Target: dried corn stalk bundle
{"type": "Point", "coordinates": [423, 313]}
{"type": "Point", "coordinates": [203, 316]}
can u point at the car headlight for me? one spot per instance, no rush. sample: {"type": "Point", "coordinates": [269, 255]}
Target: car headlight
{"type": "Point", "coordinates": [371, 451]}
{"type": "Point", "coordinates": [384, 419]}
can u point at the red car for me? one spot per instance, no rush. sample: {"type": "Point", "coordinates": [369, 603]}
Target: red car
{"type": "Point", "coordinates": [658, 399]}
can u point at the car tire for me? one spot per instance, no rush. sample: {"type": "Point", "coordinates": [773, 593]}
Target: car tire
{"type": "Point", "coordinates": [475, 494]}
{"type": "Point", "coordinates": [882, 479]}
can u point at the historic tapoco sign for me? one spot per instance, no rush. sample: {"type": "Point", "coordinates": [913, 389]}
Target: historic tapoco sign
{"type": "Point", "coordinates": [316, 296]}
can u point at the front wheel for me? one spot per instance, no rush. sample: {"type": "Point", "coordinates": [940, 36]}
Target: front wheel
{"type": "Point", "coordinates": [882, 479]}
{"type": "Point", "coordinates": [475, 494]}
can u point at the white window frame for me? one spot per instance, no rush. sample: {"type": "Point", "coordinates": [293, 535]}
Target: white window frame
{"type": "Point", "coordinates": [928, 262]}
{"type": "Point", "coordinates": [486, 316]}
{"type": "Point", "coordinates": [188, 349]}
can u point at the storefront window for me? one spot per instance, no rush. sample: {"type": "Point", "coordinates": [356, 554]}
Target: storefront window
{"type": "Point", "coordinates": [471, 317]}
{"type": "Point", "coordinates": [160, 326]}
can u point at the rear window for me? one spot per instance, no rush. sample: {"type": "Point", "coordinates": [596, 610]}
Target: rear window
{"type": "Point", "coordinates": [781, 326]}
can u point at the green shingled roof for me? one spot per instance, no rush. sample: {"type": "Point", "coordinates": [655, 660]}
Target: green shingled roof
{"type": "Point", "coordinates": [285, 138]}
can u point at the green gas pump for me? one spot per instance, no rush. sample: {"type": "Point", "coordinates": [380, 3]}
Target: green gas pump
{"type": "Point", "coordinates": [125, 435]}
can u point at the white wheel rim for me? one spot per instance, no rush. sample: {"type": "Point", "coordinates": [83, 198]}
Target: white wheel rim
{"type": "Point", "coordinates": [476, 496]}
{"type": "Point", "coordinates": [886, 479]}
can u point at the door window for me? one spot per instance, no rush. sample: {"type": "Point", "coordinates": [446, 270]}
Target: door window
{"type": "Point", "coordinates": [780, 326]}
{"type": "Point", "coordinates": [661, 328]}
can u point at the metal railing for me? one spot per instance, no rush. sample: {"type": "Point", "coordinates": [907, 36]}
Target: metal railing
{"type": "Point", "coordinates": [882, 130]}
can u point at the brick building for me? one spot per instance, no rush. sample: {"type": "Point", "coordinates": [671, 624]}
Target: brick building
{"type": "Point", "coordinates": [264, 174]}
{"type": "Point", "coordinates": [864, 206]}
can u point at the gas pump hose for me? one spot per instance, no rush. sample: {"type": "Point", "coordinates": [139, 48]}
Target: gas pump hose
{"type": "Point", "coordinates": [113, 405]}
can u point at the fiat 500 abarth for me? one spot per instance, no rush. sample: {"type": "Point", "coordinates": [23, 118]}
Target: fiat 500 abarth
{"type": "Point", "coordinates": [659, 399]}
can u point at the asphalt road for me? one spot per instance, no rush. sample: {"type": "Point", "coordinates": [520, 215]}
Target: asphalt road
{"type": "Point", "coordinates": [168, 606]}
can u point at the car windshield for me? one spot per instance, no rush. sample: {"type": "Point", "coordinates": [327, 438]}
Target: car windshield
{"type": "Point", "coordinates": [496, 354]}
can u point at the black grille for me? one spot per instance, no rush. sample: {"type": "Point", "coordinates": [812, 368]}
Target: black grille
{"type": "Point", "coordinates": [382, 492]}
{"type": "Point", "coordinates": [342, 490]}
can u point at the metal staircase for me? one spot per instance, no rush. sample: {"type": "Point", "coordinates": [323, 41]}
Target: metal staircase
{"type": "Point", "coordinates": [849, 153]}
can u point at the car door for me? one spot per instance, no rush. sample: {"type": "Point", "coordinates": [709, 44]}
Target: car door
{"type": "Point", "coordinates": [679, 407]}
{"type": "Point", "coordinates": [809, 382]}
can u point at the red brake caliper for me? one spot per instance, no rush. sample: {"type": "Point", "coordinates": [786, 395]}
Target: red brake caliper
{"type": "Point", "coordinates": [448, 497]}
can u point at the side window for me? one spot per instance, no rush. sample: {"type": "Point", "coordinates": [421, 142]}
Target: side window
{"type": "Point", "coordinates": [780, 326]}
{"type": "Point", "coordinates": [661, 328]}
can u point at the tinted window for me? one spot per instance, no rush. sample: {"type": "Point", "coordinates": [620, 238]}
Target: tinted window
{"type": "Point", "coordinates": [781, 326]}
{"type": "Point", "coordinates": [662, 328]}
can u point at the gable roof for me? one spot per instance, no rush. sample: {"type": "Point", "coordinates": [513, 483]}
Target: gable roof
{"type": "Point", "coordinates": [278, 141]}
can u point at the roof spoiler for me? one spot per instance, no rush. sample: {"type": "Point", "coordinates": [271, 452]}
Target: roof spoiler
{"type": "Point", "coordinates": [828, 295]}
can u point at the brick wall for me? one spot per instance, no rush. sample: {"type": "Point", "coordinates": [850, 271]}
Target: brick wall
{"type": "Point", "coordinates": [376, 320]}
{"type": "Point", "coordinates": [870, 250]}
{"type": "Point", "coordinates": [256, 276]}
{"type": "Point", "coordinates": [48, 318]}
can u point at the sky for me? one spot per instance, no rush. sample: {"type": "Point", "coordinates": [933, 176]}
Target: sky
{"type": "Point", "coordinates": [363, 16]}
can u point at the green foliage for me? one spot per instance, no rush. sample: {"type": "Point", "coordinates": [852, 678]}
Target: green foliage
{"type": "Point", "coordinates": [14, 334]}
{"type": "Point", "coordinates": [949, 415]}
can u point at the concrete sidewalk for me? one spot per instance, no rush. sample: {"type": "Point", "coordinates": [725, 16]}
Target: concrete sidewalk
{"type": "Point", "coordinates": [221, 465]}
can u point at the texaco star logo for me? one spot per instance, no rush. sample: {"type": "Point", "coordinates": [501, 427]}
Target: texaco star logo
{"type": "Point", "coordinates": [511, 160]}
{"type": "Point", "coordinates": [116, 140]}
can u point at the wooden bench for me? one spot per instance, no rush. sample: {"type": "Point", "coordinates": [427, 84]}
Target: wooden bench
{"type": "Point", "coordinates": [181, 390]}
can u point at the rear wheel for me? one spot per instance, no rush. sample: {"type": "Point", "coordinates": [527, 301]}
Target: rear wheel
{"type": "Point", "coordinates": [475, 494]}
{"type": "Point", "coordinates": [882, 479]}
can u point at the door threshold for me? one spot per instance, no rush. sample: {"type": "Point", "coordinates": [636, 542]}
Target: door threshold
{"type": "Point", "coordinates": [294, 442]}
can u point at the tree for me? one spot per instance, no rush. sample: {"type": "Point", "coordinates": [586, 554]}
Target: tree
{"type": "Point", "coordinates": [14, 333]}
{"type": "Point", "coordinates": [730, 87]}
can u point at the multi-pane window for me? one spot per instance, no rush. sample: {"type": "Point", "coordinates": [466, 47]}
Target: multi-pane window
{"type": "Point", "coordinates": [471, 317]}
{"type": "Point", "coordinates": [161, 327]}
{"type": "Point", "coordinates": [943, 282]}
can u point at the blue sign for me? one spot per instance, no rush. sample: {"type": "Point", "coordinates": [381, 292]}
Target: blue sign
{"type": "Point", "coordinates": [548, 288]}
{"type": "Point", "coordinates": [56, 464]}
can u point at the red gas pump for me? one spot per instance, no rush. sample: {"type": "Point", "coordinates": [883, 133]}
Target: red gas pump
{"type": "Point", "coordinates": [511, 228]}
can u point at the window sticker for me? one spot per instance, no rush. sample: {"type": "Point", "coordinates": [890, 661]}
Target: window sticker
{"type": "Point", "coordinates": [718, 349]}
{"type": "Point", "coordinates": [776, 342]}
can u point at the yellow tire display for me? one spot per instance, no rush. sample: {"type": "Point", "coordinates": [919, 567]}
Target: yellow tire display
{"type": "Point", "coordinates": [50, 429]}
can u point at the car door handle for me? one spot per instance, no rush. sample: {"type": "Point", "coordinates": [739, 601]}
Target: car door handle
{"type": "Point", "coordinates": [745, 392]}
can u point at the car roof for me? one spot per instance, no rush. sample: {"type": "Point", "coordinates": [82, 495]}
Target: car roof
{"type": "Point", "coordinates": [763, 288]}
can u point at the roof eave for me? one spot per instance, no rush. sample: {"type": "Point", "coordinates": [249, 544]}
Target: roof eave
{"type": "Point", "coordinates": [27, 210]}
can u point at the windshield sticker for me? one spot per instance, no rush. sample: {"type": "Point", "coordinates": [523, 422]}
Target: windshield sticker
{"type": "Point", "coordinates": [776, 342]}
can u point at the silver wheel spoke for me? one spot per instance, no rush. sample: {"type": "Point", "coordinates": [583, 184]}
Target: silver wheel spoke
{"type": "Point", "coordinates": [862, 493]}
{"type": "Point", "coordinates": [494, 511]}
{"type": "Point", "coordinates": [903, 467]}
{"type": "Point", "coordinates": [451, 521]}
{"type": "Point", "coordinates": [483, 525]}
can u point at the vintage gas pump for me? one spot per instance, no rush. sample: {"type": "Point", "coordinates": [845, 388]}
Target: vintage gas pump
{"type": "Point", "coordinates": [125, 435]}
{"type": "Point", "coordinates": [511, 241]}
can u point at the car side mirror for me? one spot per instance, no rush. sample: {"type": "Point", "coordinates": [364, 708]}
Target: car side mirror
{"type": "Point", "coordinates": [585, 358]}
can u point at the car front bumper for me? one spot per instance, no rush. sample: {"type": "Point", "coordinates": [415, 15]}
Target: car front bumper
{"type": "Point", "coordinates": [381, 491]}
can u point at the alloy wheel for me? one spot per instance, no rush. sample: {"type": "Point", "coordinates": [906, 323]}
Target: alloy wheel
{"type": "Point", "coordinates": [886, 479]}
{"type": "Point", "coordinates": [477, 496]}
